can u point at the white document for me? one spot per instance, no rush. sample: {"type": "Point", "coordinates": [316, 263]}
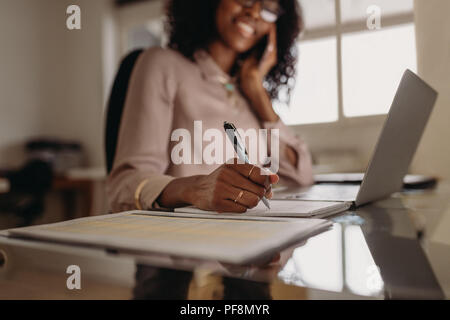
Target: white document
{"type": "Point", "coordinates": [287, 208]}
{"type": "Point", "coordinates": [225, 239]}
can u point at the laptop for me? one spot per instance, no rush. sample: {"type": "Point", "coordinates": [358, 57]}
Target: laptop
{"type": "Point", "coordinates": [397, 144]}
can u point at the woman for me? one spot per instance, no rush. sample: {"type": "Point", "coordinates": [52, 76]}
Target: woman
{"type": "Point", "coordinates": [221, 53]}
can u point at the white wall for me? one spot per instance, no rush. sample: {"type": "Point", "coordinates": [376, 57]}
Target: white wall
{"type": "Point", "coordinates": [22, 63]}
{"type": "Point", "coordinates": [433, 43]}
{"type": "Point", "coordinates": [51, 79]}
{"type": "Point", "coordinates": [86, 80]}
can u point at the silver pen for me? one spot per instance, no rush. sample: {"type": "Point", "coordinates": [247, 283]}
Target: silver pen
{"type": "Point", "coordinates": [236, 141]}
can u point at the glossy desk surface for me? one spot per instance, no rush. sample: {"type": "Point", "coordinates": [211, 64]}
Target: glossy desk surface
{"type": "Point", "coordinates": [398, 248]}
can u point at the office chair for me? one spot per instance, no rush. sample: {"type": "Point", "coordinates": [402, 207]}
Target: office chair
{"type": "Point", "coordinates": [116, 104]}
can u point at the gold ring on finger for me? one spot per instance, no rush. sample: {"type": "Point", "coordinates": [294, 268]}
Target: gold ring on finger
{"type": "Point", "coordinates": [239, 196]}
{"type": "Point", "coordinates": [250, 173]}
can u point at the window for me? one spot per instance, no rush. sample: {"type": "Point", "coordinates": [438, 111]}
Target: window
{"type": "Point", "coordinates": [315, 98]}
{"type": "Point", "coordinates": [345, 69]}
{"type": "Point", "coordinates": [372, 65]}
{"type": "Point", "coordinates": [140, 25]}
{"type": "Point", "coordinates": [147, 35]}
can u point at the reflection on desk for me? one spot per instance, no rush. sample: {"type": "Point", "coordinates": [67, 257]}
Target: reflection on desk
{"type": "Point", "coordinates": [384, 250]}
{"type": "Point", "coordinates": [338, 260]}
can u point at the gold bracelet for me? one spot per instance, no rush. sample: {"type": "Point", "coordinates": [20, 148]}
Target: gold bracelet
{"type": "Point", "coordinates": [137, 194]}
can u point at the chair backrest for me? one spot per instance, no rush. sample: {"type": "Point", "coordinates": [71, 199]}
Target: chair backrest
{"type": "Point", "coordinates": [116, 104]}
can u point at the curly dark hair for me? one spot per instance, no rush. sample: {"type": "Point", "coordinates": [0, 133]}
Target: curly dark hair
{"type": "Point", "coordinates": [191, 25]}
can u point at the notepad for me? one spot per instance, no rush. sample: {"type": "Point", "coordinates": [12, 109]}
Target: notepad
{"type": "Point", "coordinates": [286, 208]}
{"type": "Point", "coordinates": [229, 239]}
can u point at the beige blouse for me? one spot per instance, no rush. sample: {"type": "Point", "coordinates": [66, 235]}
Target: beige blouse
{"type": "Point", "coordinates": [168, 91]}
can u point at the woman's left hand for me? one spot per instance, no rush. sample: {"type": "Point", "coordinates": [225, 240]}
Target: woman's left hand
{"type": "Point", "coordinates": [252, 74]}
{"type": "Point", "coordinates": [255, 70]}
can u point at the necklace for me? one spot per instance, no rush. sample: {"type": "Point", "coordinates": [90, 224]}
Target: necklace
{"type": "Point", "coordinates": [230, 87]}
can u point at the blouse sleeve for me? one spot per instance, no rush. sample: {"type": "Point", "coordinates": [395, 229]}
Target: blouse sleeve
{"type": "Point", "coordinates": [302, 173]}
{"type": "Point", "coordinates": [144, 134]}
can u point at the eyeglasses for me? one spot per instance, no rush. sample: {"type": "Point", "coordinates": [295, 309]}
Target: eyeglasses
{"type": "Point", "coordinates": [270, 9]}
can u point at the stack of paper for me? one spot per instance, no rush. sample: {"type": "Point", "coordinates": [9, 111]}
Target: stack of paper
{"type": "Point", "coordinates": [287, 208]}
{"type": "Point", "coordinates": [229, 239]}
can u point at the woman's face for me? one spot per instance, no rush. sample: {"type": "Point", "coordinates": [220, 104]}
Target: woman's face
{"type": "Point", "coordinates": [240, 28]}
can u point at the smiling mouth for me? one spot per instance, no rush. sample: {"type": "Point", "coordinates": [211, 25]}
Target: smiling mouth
{"type": "Point", "coordinates": [246, 30]}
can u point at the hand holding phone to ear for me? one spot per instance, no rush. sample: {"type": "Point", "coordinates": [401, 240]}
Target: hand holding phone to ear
{"type": "Point", "coordinates": [258, 64]}
{"type": "Point", "coordinates": [269, 58]}
{"type": "Point", "coordinates": [252, 74]}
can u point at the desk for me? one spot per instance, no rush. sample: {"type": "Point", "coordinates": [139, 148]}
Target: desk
{"type": "Point", "coordinates": [89, 183]}
{"type": "Point", "coordinates": [392, 249]}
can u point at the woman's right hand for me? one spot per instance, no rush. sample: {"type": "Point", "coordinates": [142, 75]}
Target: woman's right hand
{"type": "Point", "coordinates": [233, 188]}
{"type": "Point", "coordinates": [230, 188]}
